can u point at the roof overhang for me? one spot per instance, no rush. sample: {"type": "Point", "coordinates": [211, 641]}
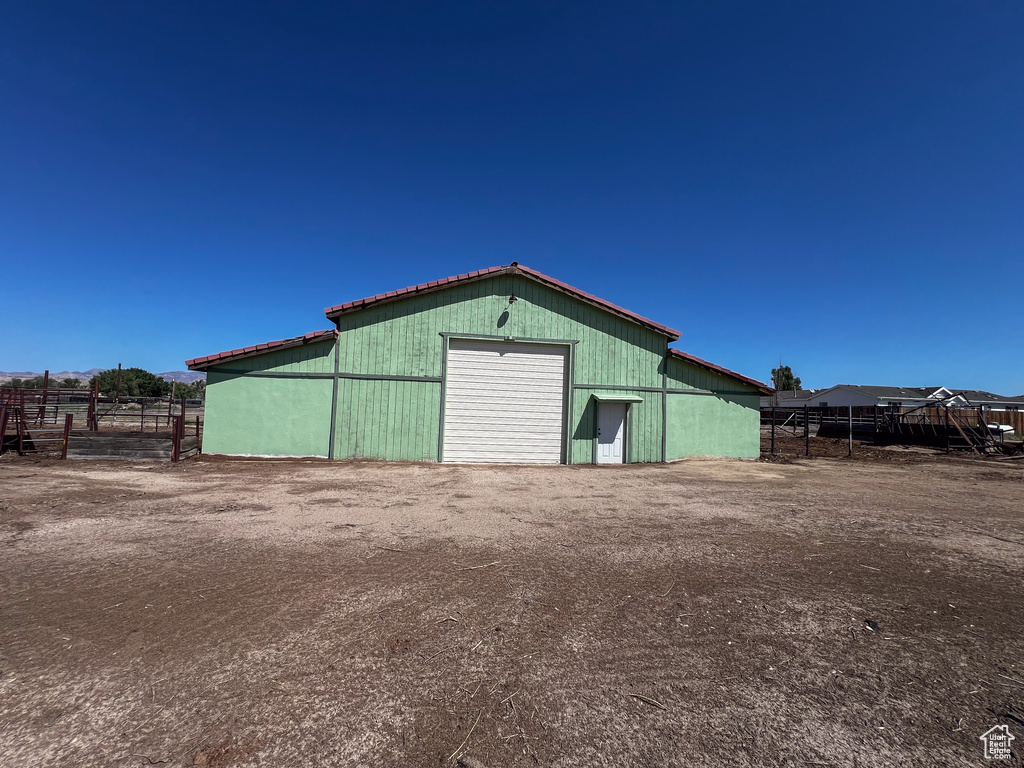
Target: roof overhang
{"type": "Point", "coordinates": [759, 386]}
{"type": "Point", "coordinates": [202, 363]}
{"type": "Point", "coordinates": [333, 313]}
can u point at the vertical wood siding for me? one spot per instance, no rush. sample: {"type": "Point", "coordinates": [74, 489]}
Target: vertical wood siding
{"type": "Point", "coordinates": [317, 357]}
{"type": "Point", "coordinates": [403, 338]}
{"type": "Point", "coordinates": [395, 420]}
{"type": "Point", "coordinates": [645, 425]}
{"type": "Point", "coordinates": [685, 375]}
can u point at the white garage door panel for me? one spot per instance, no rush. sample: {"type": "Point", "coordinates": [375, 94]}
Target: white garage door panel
{"type": "Point", "coordinates": [504, 402]}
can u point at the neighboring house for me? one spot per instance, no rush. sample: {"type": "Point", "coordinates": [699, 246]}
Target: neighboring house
{"type": "Point", "coordinates": [990, 401]}
{"type": "Point", "coordinates": [500, 365]}
{"type": "Point", "coordinates": [789, 398]}
{"type": "Point", "coordinates": [843, 395]}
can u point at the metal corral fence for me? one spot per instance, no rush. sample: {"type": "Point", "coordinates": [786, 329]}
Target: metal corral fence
{"type": "Point", "coordinates": [42, 420]}
{"type": "Point", "coordinates": [49, 406]}
{"type": "Point", "coordinates": [937, 415]}
{"type": "Point", "coordinates": [809, 421]}
{"type": "Point", "coordinates": [937, 426]}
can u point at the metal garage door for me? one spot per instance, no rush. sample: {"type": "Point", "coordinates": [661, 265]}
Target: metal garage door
{"type": "Point", "coordinates": [505, 402]}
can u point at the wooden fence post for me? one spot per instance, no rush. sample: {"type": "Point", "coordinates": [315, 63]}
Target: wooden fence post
{"type": "Point", "coordinates": [117, 393]}
{"type": "Point", "coordinates": [773, 431]}
{"type": "Point", "coordinates": [21, 426]}
{"type": "Point", "coordinates": [67, 434]}
{"type": "Point", "coordinates": [94, 404]}
{"type": "Point", "coordinates": [176, 439]}
{"type": "Point", "coordinates": [849, 420]}
{"type": "Point", "coordinates": [807, 432]}
{"type": "Point", "coordinates": [44, 399]}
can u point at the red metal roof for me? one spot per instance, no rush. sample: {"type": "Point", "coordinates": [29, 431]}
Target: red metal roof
{"type": "Point", "coordinates": [200, 363]}
{"type": "Point", "coordinates": [512, 269]}
{"type": "Point", "coordinates": [765, 390]}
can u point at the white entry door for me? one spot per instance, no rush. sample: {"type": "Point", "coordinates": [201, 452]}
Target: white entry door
{"type": "Point", "coordinates": [611, 431]}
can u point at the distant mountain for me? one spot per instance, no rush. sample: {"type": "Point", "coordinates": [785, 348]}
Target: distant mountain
{"type": "Point", "coordinates": [56, 375]}
{"type": "Point", "coordinates": [185, 377]}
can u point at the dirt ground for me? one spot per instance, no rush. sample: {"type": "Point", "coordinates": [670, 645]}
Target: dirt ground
{"type": "Point", "coordinates": [708, 613]}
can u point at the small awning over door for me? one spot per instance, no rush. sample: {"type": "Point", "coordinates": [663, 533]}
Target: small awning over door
{"type": "Point", "coordinates": [605, 398]}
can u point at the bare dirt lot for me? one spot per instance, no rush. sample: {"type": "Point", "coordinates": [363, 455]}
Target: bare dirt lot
{"type": "Point", "coordinates": [709, 613]}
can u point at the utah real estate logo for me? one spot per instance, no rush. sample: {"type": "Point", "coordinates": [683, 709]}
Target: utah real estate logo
{"type": "Point", "coordinates": [997, 742]}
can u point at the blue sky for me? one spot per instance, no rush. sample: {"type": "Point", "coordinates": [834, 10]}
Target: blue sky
{"type": "Point", "coordinates": [837, 184]}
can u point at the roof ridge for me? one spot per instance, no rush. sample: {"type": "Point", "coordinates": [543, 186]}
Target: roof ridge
{"type": "Point", "coordinates": [514, 268]}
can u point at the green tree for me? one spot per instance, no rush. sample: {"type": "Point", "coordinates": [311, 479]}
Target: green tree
{"type": "Point", "coordinates": [194, 391]}
{"type": "Point", "coordinates": [34, 383]}
{"type": "Point", "coordinates": [783, 378]}
{"type": "Point", "coordinates": [135, 382]}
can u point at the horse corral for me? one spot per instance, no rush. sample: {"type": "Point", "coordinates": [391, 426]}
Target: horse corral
{"type": "Point", "coordinates": [82, 424]}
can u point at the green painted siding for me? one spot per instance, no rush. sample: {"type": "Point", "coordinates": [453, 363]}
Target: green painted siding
{"type": "Point", "coordinates": [684, 375]}
{"type": "Point", "coordinates": [376, 418]}
{"type": "Point", "coordinates": [726, 422]}
{"type": "Point", "coordinates": [279, 403]}
{"type": "Point", "coordinates": [403, 338]}
{"type": "Point", "coordinates": [317, 357]}
{"type": "Point", "coordinates": [713, 425]}
{"type": "Point", "coordinates": [644, 435]}
{"type": "Point", "coordinates": [246, 415]}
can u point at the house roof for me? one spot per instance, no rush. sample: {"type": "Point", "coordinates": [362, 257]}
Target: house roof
{"type": "Point", "coordinates": [201, 363]}
{"type": "Point", "coordinates": [762, 388]}
{"type": "Point", "coordinates": [515, 268]}
{"type": "Point", "coordinates": [981, 396]}
{"type": "Point", "coordinates": [797, 394]}
{"type": "Point", "coordinates": [976, 396]}
{"type": "Point", "coordinates": [893, 393]}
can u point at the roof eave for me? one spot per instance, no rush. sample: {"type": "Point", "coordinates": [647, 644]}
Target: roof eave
{"type": "Point", "coordinates": [558, 285]}
{"type": "Point", "coordinates": [333, 313]}
{"type": "Point", "coordinates": [686, 357]}
{"type": "Point", "coordinates": [205, 362]}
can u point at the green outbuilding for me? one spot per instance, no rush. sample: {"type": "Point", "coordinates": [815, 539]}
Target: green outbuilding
{"type": "Point", "coordinates": [501, 365]}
